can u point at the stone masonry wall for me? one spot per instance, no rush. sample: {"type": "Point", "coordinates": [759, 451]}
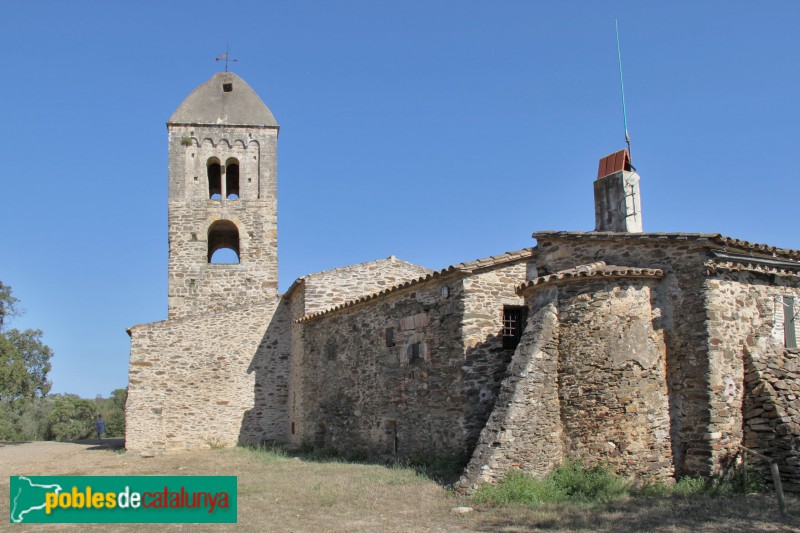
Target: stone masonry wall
{"type": "Point", "coordinates": [199, 286]}
{"type": "Point", "coordinates": [612, 377]}
{"type": "Point", "coordinates": [745, 323]}
{"type": "Point", "coordinates": [683, 318]}
{"type": "Point", "coordinates": [360, 393]}
{"type": "Point", "coordinates": [587, 381]}
{"type": "Point", "coordinates": [325, 290]}
{"type": "Point", "coordinates": [194, 284]}
{"type": "Point", "coordinates": [328, 289]}
{"type": "Point", "coordinates": [772, 412]}
{"type": "Point", "coordinates": [211, 380]}
{"type": "Point", "coordinates": [524, 429]}
{"type": "Point", "coordinates": [486, 361]}
{"type": "Point", "coordinates": [297, 407]}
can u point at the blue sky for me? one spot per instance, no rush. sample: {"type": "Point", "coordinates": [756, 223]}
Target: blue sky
{"type": "Point", "coordinates": [438, 131]}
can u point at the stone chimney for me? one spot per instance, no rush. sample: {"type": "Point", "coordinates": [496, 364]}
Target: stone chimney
{"type": "Point", "coordinates": [617, 202]}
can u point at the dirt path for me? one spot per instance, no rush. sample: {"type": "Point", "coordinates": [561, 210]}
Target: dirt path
{"type": "Point", "coordinates": [280, 493]}
{"type": "Point", "coordinates": [275, 494]}
{"type": "Point", "coordinates": [59, 458]}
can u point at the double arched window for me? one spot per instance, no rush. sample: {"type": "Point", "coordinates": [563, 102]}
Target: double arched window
{"type": "Point", "coordinates": [214, 178]}
{"type": "Point", "coordinates": [232, 178]}
{"type": "Point", "coordinates": [223, 242]}
{"type": "Point", "coordinates": [217, 186]}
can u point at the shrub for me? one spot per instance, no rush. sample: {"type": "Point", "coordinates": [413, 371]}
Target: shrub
{"type": "Point", "coordinates": [61, 417]}
{"type": "Point", "coordinates": [321, 454]}
{"type": "Point", "coordinates": [574, 483]}
{"type": "Point", "coordinates": [442, 469]}
{"type": "Point", "coordinates": [571, 482]}
{"type": "Point", "coordinates": [352, 455]}
{"type": "Point", "coordinates": [517, 487]}
{"type": "Point", "coordinates": [588, 484]}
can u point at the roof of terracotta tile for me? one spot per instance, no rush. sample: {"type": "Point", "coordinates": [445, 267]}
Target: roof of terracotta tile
{"type": "Point", "coordinates": [747, 245]}
{"type": "Point", "coordinates": [299, 281]}
{"type": "Point", "coordinates": [750, 267]}
{"type": "Point", "coordinates": [711, 238]}
{"type": "Point", "coordinates": [593, 270]}
{"type": "Point", "coordinates": [460, 268]}
{"type": "Point", "coordinates": [614, 163]}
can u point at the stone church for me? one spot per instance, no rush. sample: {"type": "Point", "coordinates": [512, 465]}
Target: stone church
{"type": "Point", "coordinates": [658, 354]}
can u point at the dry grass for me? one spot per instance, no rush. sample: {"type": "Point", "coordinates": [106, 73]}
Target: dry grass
{"type": "Point", "coordinates": [280, 493]}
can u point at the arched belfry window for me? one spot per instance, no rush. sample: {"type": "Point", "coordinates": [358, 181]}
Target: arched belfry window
{"type": "Point", "coordinates": [214, 178]}
{"type": "Point", "coordinates": [223, 242]}
{"type": "Point", "coordinates": [232, 178]}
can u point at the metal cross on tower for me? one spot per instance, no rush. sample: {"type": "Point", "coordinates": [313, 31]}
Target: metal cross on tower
{"type": "Point", "coordinates": [225, 57]}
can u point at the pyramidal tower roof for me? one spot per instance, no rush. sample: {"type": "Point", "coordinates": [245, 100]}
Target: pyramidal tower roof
{"type": "Point", "coordinates": [224, 99]}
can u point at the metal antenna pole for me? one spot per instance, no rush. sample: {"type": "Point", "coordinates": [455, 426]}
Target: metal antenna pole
{"type": "Point", "coordinates": [622, 87]}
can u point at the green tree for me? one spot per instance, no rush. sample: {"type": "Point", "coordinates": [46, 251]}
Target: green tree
{"type": "Point", "coordinates": [8, 427]}
{"type": "Point", "coordinates": [26, 419]}
{"type": "Point", "coordinates": [8, 304]}
{"type": "Point", "coordinates": [24, 358]}
{"type": "Point", "coordinates": [72, 418]}
{"type": "Point", "coordinates": [113, 411]}
{"type": "Point", "coordinates": [33, 415]}
{"type": "Point", "coordinates": [115, 418]}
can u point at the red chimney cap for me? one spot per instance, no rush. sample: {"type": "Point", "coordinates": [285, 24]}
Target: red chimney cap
{"type": "Point", "coordinates": [614, 163]}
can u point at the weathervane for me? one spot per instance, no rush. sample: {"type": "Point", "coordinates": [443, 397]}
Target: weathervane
{"type": "Point", "coordinates": [225, 57]}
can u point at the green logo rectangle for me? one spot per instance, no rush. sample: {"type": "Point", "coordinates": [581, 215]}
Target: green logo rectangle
{"type": "Point", "coordinates": [122, 499]}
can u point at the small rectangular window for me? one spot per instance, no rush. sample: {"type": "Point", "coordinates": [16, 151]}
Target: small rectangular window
{"type": "Point", "coordinates": [292, 428]}
{"type": "Point", "coordinates": [227, 87]}
{"type": "Point", "coordinates": [413, 351]}
{"type": "Point", "coordinates": [789, 336]}
{"type": "Point", "coordinates": [512, 326]}
{"type": "Point", "coordinates": [391, 433]}
{"type": "Point", "coordinates": [330, 352]}
{"type": "Point", "coordinates": [389, 337]}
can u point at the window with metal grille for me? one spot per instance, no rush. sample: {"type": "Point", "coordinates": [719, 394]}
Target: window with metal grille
{"type": "Point", "coordinates": [789, 332]}
{"type": "Point", "coordinates": [512, 326]}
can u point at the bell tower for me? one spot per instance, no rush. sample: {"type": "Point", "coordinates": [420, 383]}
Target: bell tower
{"type": "Point", "coordinates": [223, 232]}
